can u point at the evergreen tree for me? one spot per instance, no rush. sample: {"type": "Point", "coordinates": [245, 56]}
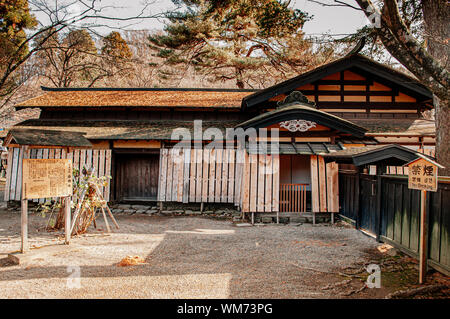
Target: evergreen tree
{"type": "Point", "coordinates": [240, 40]}
{"type": "Point", "coordinates": [15, 19]}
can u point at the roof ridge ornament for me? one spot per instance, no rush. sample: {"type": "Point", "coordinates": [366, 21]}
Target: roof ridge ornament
{"type": "Point", "coordinates": [295, 97]}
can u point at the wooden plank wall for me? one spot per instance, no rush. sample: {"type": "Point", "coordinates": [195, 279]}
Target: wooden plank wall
{"type": "Point", "coordinates": [260, 183]}
{"type": "Point", "coordinates": [198, 175]}
{"type": "Point", "coordinates": [99, 159]}
{"type": "Point", "coordinates": [324, 185]}
{"type": "Point", "coordinates": [220, 176]}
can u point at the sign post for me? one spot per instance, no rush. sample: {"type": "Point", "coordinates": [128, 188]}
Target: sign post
{"type": "Point", "coordinates": [44, 178]}
{"type": "Point", "coordinates": [422, 175]}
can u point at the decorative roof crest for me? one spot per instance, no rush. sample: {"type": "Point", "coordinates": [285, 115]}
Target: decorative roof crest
{"type": "Point", "coordinates": [293, 97]}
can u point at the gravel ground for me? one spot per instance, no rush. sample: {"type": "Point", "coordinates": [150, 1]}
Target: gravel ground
{"type": "Point", "coordinates": [186, 257]}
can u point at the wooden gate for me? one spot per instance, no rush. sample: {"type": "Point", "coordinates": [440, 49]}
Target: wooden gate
{"type": "Point", "coordinates": [368, 203]}
{"type": "Point", "coordinates": [137, 176]}
{"type": "Point", "coordinates": [293, 198]}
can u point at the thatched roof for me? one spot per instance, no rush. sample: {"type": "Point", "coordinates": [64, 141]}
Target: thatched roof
{"type": "Point", "coordinates": [128, 130]}
{"type": "Point", "coordinates": [143, 98]}
{"type": "Point", "coordinates": [38, 137]}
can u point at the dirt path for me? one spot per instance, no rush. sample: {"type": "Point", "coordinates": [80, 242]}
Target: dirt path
{"type": "Point", "coordinates": [188, 257]}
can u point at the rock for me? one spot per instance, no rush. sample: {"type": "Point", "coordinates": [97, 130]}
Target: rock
{"type": "Point", "coordinates": [123, 206]}
{"type": "Point", "coordinates": [392, 252]}
{"type": "Point", "coordinates": [151, 211]}
{"type": "Point", "coordinates": [266, 219]}
{"type": "Point", "coordinates": [166, 212]}
{"type": "Point", "coordinates": [244, 225]}
{"type": "Point", "coordinates": [208, 212]}
{"type": "Point", "coordinates": [196, 212]}
{"type": "Point", "coordinates": [129, 211]}
{"type": "Point", "coordinates": [188, 212]}
{"type": "Point", "coordinates": [140, 207]}
{"type": "Point", "coordinates": [220, 212]}
{"type": "Point", "coordinates": [117, 211]}
{"type": "Point", "coordinates": [298, 224]}
{"type": "Point", "coordinates": [236, 219]}
{"type": "Point", "coordinates": [178, 211]}
{"type": "Point", "coordinates": [141, 211]}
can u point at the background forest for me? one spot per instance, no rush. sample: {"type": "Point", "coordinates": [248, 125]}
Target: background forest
{"type": "Point", "coordinates": [211, 43]}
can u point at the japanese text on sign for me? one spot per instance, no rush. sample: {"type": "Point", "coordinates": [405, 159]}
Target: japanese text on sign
{"type": "Point", "coordinates": [422, 175]}
{"type": "Point", "coordinates": [43, 178]}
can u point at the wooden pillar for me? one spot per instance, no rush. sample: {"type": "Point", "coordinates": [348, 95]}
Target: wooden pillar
{"type": "Point", "coordinates": [24, 226]}
{"type": "Point", "coordinates": [67, 217]}
{"type": "Point", "coordinates": [357, 199]}
{"type": "Point", "coordinates": [423, 248]}
{"type": "Point", "coordinates": [24, 208]}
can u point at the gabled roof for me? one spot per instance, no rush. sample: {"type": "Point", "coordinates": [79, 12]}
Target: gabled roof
{"type": "Point", "coordinates": [301, 111]}
{"type": "Point", "coordinates": [357, 62]}
{"type": "Point", "coordinates": [138, 97]}
{"type": "Point", "coordinates": [375, 153]}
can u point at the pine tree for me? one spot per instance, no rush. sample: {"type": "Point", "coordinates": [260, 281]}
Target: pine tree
{"type": "Point", "coordinates": [15, 19]}
{"type": "Point", "coordinates": [247, 41]}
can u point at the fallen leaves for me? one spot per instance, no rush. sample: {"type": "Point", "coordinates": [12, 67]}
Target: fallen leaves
{"type": "Point", "coordinates": [131, 261]}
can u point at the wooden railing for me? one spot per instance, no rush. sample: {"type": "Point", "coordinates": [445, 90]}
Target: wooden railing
{"type": "Point", "coordinates": [293, 197]}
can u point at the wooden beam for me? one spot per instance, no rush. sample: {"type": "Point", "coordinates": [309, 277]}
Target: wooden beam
{"type": "Point", "coordinates": [423, 248]}
{"type": "Point", "coordinates": [314, 185]}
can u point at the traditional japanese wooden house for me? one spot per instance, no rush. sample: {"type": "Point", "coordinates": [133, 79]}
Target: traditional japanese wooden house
{"type": "Point", "coordinates": [273, 142]}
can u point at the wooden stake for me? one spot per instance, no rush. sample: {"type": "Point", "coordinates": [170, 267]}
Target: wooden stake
{"type": "Point", "coordinates": [24, 226]}
{"type": "Point", "coordinates": [253, 218]}
{"type": "Point", "coordinates": [106, 206]}
{"type": "Point", "coordinates": [106, 220]}
{"type": "Point", "coordinates": [423, 249]}
{"type": "Point", "coordinates": [112, 217]}
{"type": "Point", "coordinates": [67, 216]}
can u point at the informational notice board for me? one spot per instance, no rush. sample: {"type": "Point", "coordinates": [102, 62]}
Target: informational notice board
{"type": "Point", "coordinates": [422, 175]}
{"type": "Point", "coordinates": [43, 178]}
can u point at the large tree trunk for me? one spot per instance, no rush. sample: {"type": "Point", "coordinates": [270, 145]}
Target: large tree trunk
{"type": "Point", "coordinates": [436, 15]}
{"type": "Point", "coordinates": [442, 115]}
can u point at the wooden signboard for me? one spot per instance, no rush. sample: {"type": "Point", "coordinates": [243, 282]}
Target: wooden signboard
{"type": "Point", "coordinates": [422, 175]}
{"type": "Point", "coordinates": [44, 178]}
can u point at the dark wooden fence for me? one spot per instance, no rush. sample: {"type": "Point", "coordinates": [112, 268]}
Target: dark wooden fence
{"type": "Point", "coordinates": [384, 206]}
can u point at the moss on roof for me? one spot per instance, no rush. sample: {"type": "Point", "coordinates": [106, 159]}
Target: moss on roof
{"type": "Point", "coordinates": [138, 98]}
{"type": "Point", "coordinates": [129, 130]}
{"type": "Point", "coordinates": [39, 137]}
